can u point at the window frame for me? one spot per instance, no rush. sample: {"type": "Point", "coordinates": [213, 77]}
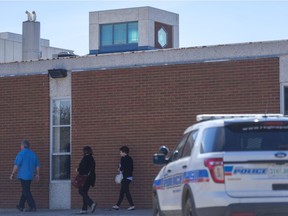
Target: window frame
{"type": "Point", "coordinates": [282, 97]}
{"type": "Point", "coordinates": [52, 126]}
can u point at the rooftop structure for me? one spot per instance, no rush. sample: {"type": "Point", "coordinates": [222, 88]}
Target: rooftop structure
{"type": "Point", "coordinates": [132, 29]}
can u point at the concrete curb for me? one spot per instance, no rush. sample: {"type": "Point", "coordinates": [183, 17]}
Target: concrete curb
{"type": "Point", "coordinates": [98, 212]}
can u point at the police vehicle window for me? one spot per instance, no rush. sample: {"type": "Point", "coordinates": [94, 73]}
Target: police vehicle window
{"type": "Point", "coordinates": [213, 139]}
{"type": "Point", "coordinates": [257, 136]}
{"type": "Point", "coordinates": [189, 144]}
{"type": "Point", "coordinates": [247, 136]}
{"type": "Point", "coordinates": [177, 153]}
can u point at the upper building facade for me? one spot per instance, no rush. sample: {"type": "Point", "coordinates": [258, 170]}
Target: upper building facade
{"type": "Point", "coordinates": [142, 99]}
{"type": "Point", "coordinates": [132, 29]}
{"type": "Point", "coordinates": [11, 48]}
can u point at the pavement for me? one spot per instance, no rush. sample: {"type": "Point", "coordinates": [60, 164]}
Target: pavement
{"type": "Point", "coordinates": [98, 212]}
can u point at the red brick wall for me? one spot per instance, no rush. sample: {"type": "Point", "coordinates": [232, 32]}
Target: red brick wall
{"type": "Point", "coordinates": [147, 107]}
{"type": "Point", "coordinates": [24, 114]}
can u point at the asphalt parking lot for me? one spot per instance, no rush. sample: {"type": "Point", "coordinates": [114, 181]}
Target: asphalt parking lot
{"type": "Point", "coordinates": [98, 212]}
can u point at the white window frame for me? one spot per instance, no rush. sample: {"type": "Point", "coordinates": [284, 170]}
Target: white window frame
{"type": "Point", "coordinates": [51, 137]}
{"type": "Point", "coordinates": [282, 97]}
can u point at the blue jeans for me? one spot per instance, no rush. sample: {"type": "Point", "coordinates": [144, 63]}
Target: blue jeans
{"type": "Point", "coordinates": [26, 195]}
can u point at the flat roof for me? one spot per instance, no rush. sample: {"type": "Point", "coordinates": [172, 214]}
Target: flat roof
{"type": "Point", "coordinates": [146, 58]}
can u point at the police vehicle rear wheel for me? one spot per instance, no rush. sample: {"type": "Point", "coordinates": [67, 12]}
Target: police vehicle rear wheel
{"type": "Point", "coordinates": [156, 208]}
{"type": "Point", "coordinates": [189, 209]}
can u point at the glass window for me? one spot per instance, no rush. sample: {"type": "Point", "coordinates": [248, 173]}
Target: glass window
{"type": "Point", "coordinates": [60, 146]}
{"type": "Point", "coordinates": [61, 112]}
{"type": "Point", "coordinates": [247, 136]}
{"type": "Point", "coordinates": [119, 34]}
{"type": "Point", "coordinates": [133, 32]}
{"type": "Point", "coordinates": [257, 136]}
{"type": "Point", "coordinates": [189, 144]}
{"type": "Point", "coordinates": [120, 31]}
{"type": "Point", "coordinates": [61, 139]}
{"type": "Point", "coordinates": [61, 167]}
{"type": "Point", "coordinates": [213, 139]}
{"type": "Point", "coordinates": [106, 35]}
{"type": "Point", "coordinates": [178, 150]}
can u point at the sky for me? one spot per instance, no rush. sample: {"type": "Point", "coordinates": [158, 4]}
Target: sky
{"type": "Point", "coordinates": [202, 23]}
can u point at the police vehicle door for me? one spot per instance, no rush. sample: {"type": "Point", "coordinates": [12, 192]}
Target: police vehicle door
{"type": "Point", "coordinates": [175, 170]}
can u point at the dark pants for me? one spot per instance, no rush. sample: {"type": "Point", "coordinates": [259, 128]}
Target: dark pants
{"type": "Point", "coordinates": [86, 199]}
{"type": "Point", "coordinates": [26, 195]}
{"type": "Point", "coordinates": [125, 190]}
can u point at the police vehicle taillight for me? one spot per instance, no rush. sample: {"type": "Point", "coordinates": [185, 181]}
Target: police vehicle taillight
{"type": "Point", "coordinates": [216, 168]}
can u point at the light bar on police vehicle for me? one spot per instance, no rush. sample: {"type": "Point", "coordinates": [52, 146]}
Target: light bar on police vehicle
{"type": "Point", "coordinates": [205, 117]}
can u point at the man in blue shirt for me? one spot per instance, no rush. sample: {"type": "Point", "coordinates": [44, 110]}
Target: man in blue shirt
{"type": "Point", "coordinates": [25, 164]}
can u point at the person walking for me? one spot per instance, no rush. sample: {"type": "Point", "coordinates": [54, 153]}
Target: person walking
{"type": "Point", "coordinates": [87, 167]}
{"type": "Point", "coordinates": [126, 167]}
{"type": "Point", "coordinates": [25, 165]}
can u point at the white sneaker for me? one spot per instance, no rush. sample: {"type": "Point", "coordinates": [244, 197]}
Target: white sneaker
{"type": "Point", "coordinates": [93, 207]}
{"type": "Point", "coordinates": [131, 208]}
{"type": "Point", "coordinates": [115, 207]}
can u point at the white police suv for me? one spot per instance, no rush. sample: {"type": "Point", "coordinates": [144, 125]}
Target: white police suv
{"type": "Point", "coordinates": [226, 165]}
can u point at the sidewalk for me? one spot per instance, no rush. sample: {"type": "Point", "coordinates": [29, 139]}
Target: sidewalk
{"type": "Point", "coordinates": [98, 212]}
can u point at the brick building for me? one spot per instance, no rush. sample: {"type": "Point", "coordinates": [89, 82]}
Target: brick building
{"type": "Point", "coordinates": [144, 99]}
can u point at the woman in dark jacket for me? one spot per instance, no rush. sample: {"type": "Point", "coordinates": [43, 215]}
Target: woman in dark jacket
{"type": "Point", "coordinates": [126, 167]}
{"type": "Point", "coordinates": [87, 167]}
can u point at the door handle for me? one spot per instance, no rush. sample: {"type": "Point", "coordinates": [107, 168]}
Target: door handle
{"type": "Point", "coordinates": [184, 166]}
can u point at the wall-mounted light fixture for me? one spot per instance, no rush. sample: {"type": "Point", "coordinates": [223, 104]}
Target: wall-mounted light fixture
{"type": "Point", "coordinates": [57, 73]}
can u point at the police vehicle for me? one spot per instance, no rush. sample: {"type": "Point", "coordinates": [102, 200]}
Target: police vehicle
{"type": "Point", "coordinates": [225, 165]}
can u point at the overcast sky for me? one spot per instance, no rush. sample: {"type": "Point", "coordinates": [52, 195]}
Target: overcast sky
{"type": "Point", "coordinates": [202, 23]}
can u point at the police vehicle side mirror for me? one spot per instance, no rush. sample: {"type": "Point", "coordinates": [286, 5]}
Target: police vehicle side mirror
{"type": "Point", "coordinates": [159, 159]}
{"type": "Point", "coordinates": [164, 150]}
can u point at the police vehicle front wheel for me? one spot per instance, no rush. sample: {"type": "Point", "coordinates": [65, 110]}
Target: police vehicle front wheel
{"type": "Point", "coordinates": [189, 209]}
{"type": "Point", "coordinates": [156, 208]}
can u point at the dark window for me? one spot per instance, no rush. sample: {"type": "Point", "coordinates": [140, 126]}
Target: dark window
{"type": "Point", "coordinates": [252, 136]}
{"type": "Point", "coordinates": [176, 154]}
{"type": "Point", "coordinates": [183, 149]}
{"type": "Point", "coordinates": [213, 139]}
{"type": "Point", "coordinates": [119, 34]}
